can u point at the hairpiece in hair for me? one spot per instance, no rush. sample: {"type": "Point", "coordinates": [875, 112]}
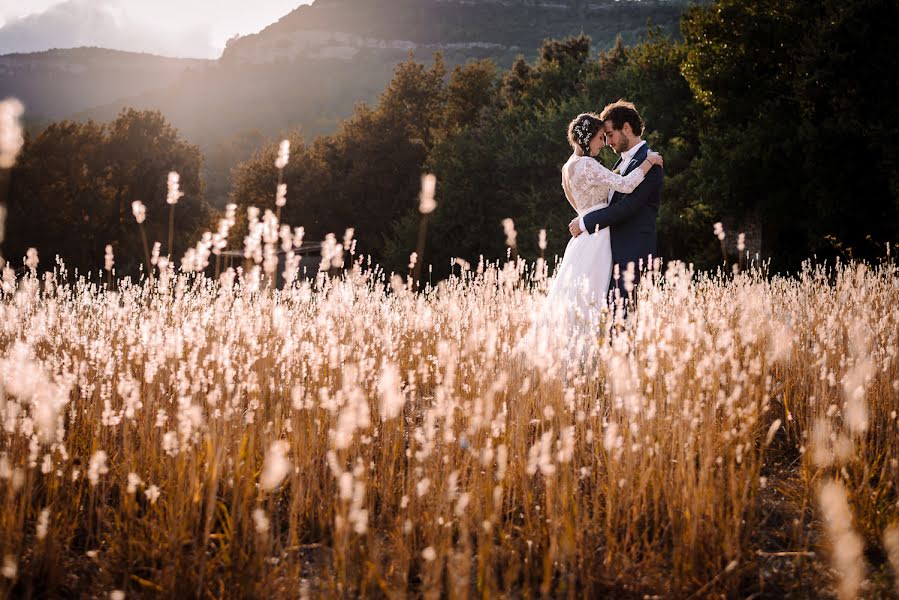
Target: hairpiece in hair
{"type": "Point", "coordinates": [584, 130]}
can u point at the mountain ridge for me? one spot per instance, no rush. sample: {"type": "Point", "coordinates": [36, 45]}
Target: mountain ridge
{"type": "Point", "coordinates": [59, 82]}
{"type": "Point", "coordinates": [435, 23]}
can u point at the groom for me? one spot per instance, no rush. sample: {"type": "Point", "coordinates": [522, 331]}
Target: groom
{"type": "Point", "coordinates": [630, 217]}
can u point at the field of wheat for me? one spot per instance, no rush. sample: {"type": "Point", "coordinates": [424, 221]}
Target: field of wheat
{"type": "Point", "coordinates": [348, 436]}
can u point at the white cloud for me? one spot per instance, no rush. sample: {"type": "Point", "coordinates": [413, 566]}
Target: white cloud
{"type": "Point", "coordinates": [103, 23]}
{"type": "Point", "coordinates": [197, 28]}
{"type": "Point", "coordinates": [16, 9]}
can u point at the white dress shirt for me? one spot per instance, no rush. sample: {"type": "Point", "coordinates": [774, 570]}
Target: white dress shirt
{"type": "Point", "coordinates": [626, 158]}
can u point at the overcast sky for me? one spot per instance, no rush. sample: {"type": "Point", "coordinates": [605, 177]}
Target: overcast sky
{"type": "Point", "coordinates": [193, 28]}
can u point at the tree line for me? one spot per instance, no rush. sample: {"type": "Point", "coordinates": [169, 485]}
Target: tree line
{"type": "Point", "coordinates": [73, 185]}
{"type": "Point", "coordinates": [775, 117]}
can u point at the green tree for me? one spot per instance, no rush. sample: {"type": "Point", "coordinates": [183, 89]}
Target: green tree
{"type": "Point", "coordinates": [612, 63]}
{"type": "Point", "coordinates": [414, 99]}
{"type": "Point", "coordinates": [516, 82]}
{"type": "Point", "coordinates": [472, 89]}
{"type": "Point", "coordinates": [849, 124]}
{"type": "Point", "coordinates": [367, 173]}
{"type": "Point", "coordinates": [796, 105]}
{"type": "Point", "coordinates": [140, 150]}
{"type": "Point", "coordinates": [222, 157]}
{"type": "Point", "coordinates": [60, 200]}
{"type": "Point", "coordinates": [741, 68]}
{"type": "Point", "coordinates": [561, 69]}
{"type": "Point", "coordinates": [72, 189]}
{"type": "Point", "coordinates": [649, 74]}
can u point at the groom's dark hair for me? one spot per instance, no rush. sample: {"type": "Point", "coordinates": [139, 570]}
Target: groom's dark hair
{"type": "Point", "coordinates": [622, 112]}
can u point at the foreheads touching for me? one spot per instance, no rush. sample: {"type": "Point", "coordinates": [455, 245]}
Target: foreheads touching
{"type": "Point", "coordinates": [582, 134]}
{"type": "Point", "coordinates": [622, 124]}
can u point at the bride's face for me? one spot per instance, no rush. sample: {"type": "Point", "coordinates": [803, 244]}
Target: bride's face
{"type": "Point", "coordinates": [597, 143]}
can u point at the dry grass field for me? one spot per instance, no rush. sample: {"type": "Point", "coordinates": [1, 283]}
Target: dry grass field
{"type": "Point", "coordinates": [735, 436]}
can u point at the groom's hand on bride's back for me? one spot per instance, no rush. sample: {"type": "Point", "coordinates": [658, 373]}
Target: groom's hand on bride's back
{"type": "Point", "coordinates": [575, 227]}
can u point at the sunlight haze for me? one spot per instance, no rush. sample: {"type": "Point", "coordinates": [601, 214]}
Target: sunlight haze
{"type": "Point", "coordinates": [191, 29]}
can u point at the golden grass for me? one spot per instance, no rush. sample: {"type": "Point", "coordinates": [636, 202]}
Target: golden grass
{"type": "Point", "coordinates": [683, 454]}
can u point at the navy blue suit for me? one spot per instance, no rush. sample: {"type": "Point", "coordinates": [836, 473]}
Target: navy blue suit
{"type": "Point", "coordinates": [631, 219]}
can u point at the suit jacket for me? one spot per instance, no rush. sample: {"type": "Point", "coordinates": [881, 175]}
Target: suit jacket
{"type": "Point", "coordinates": [631, 217]}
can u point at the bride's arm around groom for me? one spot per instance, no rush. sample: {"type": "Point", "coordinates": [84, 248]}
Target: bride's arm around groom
{"type": "Point", "coordinates": [640, 206]}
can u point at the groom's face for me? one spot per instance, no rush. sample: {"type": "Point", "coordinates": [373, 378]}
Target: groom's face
{"type": "Point", "coordinates": [616, 138]}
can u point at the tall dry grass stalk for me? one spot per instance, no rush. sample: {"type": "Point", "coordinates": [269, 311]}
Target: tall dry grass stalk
{"type": "Point", "coordinates": [846, 545]}
{"type": "Point", "coordinates": [11, 141]}
{"type": "Point", "coordinates": [426, 205]}
{"type": "Point", "coordinates": [281, 190]}
{"type": "Point", "coordinates": [173, 194]}
{"type": "Point", "coordinates": [891, 544]}
{"type": "Point", "coordinates": [345, 436]}
{"type": "Point", "coordinates": [140, 215]}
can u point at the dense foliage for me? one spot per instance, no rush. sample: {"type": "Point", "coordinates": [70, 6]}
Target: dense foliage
{"type": "Point", "coordinates": [799, 131]}
{"type": "Point", "coordinates": [72, 188]}
{"type": "Point", "coordinates": [773, 117]}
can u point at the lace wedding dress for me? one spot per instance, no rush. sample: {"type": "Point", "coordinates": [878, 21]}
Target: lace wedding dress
{"type": "Point", "coordinates": [580, 286]}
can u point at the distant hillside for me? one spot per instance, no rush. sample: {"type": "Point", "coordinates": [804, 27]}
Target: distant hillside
{"type": "Point", "coordinates": [314, 64]}
{"type": "Point", "coordinates": [461, 28]}
{"type": "Point", "coordinates": [315, 95]}
{"type": "Point", "coordinates": [57, 83]}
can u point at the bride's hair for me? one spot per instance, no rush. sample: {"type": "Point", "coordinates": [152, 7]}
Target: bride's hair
{"type": "Point", "coordinates": [581, 130]}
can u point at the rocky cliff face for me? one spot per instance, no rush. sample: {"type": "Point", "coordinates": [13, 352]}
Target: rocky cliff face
{"type": "Point", "coordinates": [345, 28]}
{"type": "Point", "coordinates": [311, 44]}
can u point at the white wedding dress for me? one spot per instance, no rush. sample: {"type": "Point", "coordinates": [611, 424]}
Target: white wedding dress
{"type": "Point", "coordinates": [579, 289]}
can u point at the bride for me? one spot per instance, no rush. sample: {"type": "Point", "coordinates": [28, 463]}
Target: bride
{"type": "Point", "coordinates": [580, 287]}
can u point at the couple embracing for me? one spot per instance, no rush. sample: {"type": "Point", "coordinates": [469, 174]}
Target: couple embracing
{"type": "Point", "coordinates": [614, 234]}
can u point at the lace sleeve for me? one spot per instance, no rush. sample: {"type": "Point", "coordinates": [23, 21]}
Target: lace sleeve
{"type": "Point", "coordinates": [596, 174]}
